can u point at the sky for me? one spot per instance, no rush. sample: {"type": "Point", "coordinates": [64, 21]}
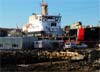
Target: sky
{"type": "Point", "coordinates": [16, 12]}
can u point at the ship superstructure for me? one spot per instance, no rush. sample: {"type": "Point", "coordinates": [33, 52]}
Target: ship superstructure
{"type": "Point", "coordinates": [50, 24]}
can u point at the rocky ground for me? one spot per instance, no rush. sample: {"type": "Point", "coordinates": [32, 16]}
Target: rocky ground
{"type": "Point", "coordinates": [55, 61]}
{"type": "Point", "coordinates": [59, 66]}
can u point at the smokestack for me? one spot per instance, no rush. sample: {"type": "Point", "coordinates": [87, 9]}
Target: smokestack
{"type": "Point", "coordinates": [44, 7]}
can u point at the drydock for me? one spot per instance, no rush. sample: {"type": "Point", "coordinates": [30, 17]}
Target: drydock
{"type": "Point", "coordinates": [41, 46]}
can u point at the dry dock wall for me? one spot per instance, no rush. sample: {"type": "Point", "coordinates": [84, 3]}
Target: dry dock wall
{"type": "Point", "coordinates": [13, 43]}
{"type": "Point", "coordinates": [10, 43]}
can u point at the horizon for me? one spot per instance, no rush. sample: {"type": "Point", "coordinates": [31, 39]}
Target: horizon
{"type": "Point", "coordinates": [15, 13]}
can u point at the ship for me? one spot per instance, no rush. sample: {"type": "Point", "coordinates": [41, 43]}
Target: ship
{"type": "Point", "coordinates": [39, 32]}
{"type": "Point", "coordinates": [44, 23]}
{"type": "Point", "coordinates": [42, 39]}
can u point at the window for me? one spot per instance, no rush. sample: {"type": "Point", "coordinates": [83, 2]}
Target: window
{"type": "Point", "coordinates": [40, 19]}
{"type": "Point", "coordinates": [53, 24]}
{"type": "Point", "coordinates": [56, 19]}
{"type": "Point", "coordinates": [48, 17]}
{"type": "Point", "coordinates": [37, 42]}
{"type": "Point", "coordinates": [1, 45]}
{"type": "Point", "coordinates": [14, 45]}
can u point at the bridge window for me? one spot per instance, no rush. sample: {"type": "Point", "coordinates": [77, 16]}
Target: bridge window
{"type": "Point", "coordinates": [1, 45]}
{"type": "Point", "coordinates": [14, 45]}
{"type": "Point", "coordinates": [53, 24]}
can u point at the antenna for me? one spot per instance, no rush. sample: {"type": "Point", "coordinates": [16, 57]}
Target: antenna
{"type": "Point", "coordinates": [42, 1]}
{"type": "Point", "coordinates": [17, 27]}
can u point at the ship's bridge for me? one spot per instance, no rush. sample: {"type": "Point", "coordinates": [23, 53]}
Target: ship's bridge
{"type": "Point", "coordinates": [43, 22]}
